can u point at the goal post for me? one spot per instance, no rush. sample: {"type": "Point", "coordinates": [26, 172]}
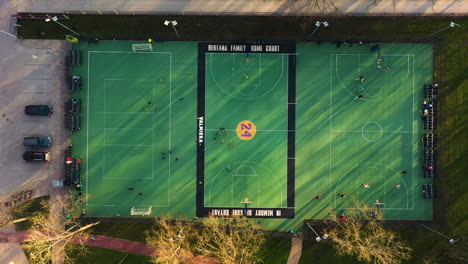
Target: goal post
{"type": "Point", "coordinates": [142, 47]}
{"type": "Point", "coordinates": [141, 210]}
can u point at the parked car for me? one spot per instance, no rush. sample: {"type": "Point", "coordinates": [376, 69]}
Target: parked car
{"type": "Point", "coordinates": [38, 110]}
{"type": "Point", "coordinates": [35, 156]}
{"type": "Point", "coordinates": [37, 141]}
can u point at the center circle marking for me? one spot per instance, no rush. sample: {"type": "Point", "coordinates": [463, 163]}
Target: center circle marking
{"type": "Point", "coordinates": [379, 131]}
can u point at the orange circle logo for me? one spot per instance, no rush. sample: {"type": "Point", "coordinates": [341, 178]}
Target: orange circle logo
{"type": "Point", "coordinates": [246, 130]}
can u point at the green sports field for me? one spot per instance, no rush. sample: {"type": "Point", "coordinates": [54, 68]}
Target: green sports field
{"type": "Point", "coordinates": [277, 129]}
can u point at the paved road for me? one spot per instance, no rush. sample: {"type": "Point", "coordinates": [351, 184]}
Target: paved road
{"type": "Point", "coordinates": [263, 7]}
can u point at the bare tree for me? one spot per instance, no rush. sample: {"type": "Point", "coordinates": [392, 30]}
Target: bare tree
{"type": "Point", "coordinates": [359, 232]}
{"type": "Point", "coordinates": [172, 240]}
{"type": "Point", "coordinates": [56, 227]}
{"type": "Point", "coordinates": [313, 6]}
{"type": "Point", "coordinates": [220, 240]}
{"type": "Point", "coordinates": [7, 216]}
{"type": "Point", "coordinates": [232, 240]}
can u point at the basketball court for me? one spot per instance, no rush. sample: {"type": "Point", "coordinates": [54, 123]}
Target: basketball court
{"type": "Point", "coordinates": [197, 129]}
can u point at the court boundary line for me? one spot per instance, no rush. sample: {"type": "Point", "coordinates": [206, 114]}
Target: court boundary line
{"type": "Point", "coordinates": [355, 131]}
{"type": "Point", "coordinates": [88, 113]}
{"type": "Point", "coordinates": [412, 132]}
{"type": "Point", "coordinates": [170, 128]}
{"type": "Point", "coordinates": [87, 135]}
{"type": "Point", "coordinates": [219, 86]}
{"type": "Point", "coordinates": [232, 189]}
{"type": "Point", "coordinates": [123, 178]}
{"type": "Point", "coordinates": [106, 128]}
{"type": "Point", "coordinates": [128, 52]}
{"type": "Point", "coordinates": [152, 133]}
{"type": "Point", "coordinates": [202, 209]}
{"type": "Point", "coordinates": [118, 145]}
{"type": "Point", "coordinates": [412, 141]}
{"type": "Point", "coordinates": [359, 56]}
{"type": "Point", "coordinates": [259, 70]}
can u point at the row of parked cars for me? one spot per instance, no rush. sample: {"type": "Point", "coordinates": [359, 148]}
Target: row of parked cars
{"type": "Point", "coordinates": [37, 142]}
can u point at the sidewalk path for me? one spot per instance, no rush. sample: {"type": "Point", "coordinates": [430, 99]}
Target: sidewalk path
{"type": "Point", "coordinates": [296, 249]}
{"type": "Point", "coordinates": [11, 252]}
{"type": "Point", "coordinates": [252, 7]}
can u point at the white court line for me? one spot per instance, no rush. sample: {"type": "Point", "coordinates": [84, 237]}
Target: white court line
{"type": "Point", "coordinates": [330, 128]}
{"type": "Point", "coordinates": [139, 79]}
{"type": "Point", "coordinates": [345, 87]}
{"type": "Point", "coordinates": [88, 112]}
{"type": "Point", "coordinates": [279, 130]}
{"type": "Point", "coordinates": [125, 178]}
{"type": "Point", "coordinates": [103, 51]}
{"type": "Point", "coordinates": [242, 206]}
{"type": "Point", "coordinates": [101, 205]}
{"type": "Point", "coordinates": [392, 208]}
{"type": "Point", "coordinates": [124, 112]}
{"type": "Point", "coordinates": [250, 53]}
{"type": "Point", "coordinates": [233, 78]}
{"type": "Point", "coordinates": [152, 147]}
{"type": "Point", "coordinates": [351, 131]}
{"type": "Point", "coordinates": [122, 145]}
{"type": "Point", "coordinates": [104, 143]}
{"type": "Point", "coordinates": [414, 146]}
{"type": "Point", "coordinates": [251, 98]}
{"type": "Point", "coordinates": [368, 54]}
{"type": "Point", "coordinates": [170, 127]}
{"type": "Point", "coordinates": [119, 128]}
{"type": "Point", "coordinates": [87, 135]}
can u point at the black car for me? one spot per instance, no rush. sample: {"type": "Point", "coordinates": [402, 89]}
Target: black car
{"type": "Point", "coordinates": [37, 141]}
{"type": "Point", "coordinates": [36, 156]}
{"type": "Point", "coordinates": [39, 110]}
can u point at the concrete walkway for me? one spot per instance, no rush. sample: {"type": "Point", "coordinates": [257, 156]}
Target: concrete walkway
{"type": "Point", "coordinates": [253, 7]}
{"type": "Point", "coordinates": [296, 249]}
{"type": "Point", "coordinates": [10, 252]}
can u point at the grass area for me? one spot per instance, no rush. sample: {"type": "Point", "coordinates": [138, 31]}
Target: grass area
{"type": "Point", "coordinates": [27, 209]}
{"type": "Point", "coordinates": [128, 231]}
{"type": "Point", "coordinates": [276, 249]}
{"type": "Point", "coordinates": [425, 245]}
{"type": "Point", "coordinates": [108, 256]}
{"type": "Point", "coordinates": [450, 72]}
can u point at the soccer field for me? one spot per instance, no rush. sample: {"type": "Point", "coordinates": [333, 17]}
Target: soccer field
{"type": "Point", "coordinates": [192, 129]}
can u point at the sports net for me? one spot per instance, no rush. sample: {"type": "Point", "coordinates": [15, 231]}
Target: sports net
{"type": "Point", "coordinates": [141, 210]}
{"type": "Point", "coordinates": [142, 47]}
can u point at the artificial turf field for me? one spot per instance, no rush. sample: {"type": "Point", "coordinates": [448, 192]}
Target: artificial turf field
{"type": "Point", "coordinates": [273, 129]}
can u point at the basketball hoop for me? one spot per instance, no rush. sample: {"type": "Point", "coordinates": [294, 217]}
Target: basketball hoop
{"type": "Point", "coordinates": [377, 202]}
{"type": "Point", "coordinates": [246, 202]}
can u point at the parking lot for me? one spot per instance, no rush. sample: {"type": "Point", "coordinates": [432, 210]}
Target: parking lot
{"type": "Point", "coordinates": [34, 73]}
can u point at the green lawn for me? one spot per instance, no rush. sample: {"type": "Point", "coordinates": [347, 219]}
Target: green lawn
{"type": "Point", "coordinates": [107, 256]}
{"type": "Point", "coordinates": [27, 209]}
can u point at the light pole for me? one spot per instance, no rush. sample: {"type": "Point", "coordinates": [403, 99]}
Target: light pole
{"type": "Point", "coordinates": [451, 25]}
{"type": "Point", "coordinates": [451, 240]}
{"type": "Point", "coordinates": [173, 23]}
{"type": "Point", "coordinates": [317, 25]}
{"type": "Point", "coordinates": [318, 238]}
{"type": "Point", "coordinates": [55, 19]}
